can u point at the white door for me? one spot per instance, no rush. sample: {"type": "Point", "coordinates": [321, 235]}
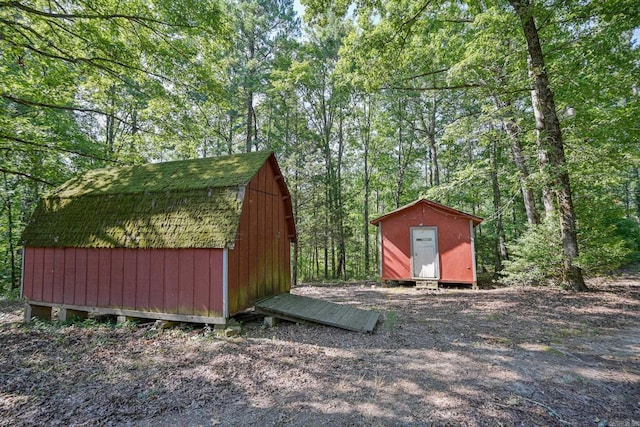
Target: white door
{"type": "Point", "coordinates": [424, 247]}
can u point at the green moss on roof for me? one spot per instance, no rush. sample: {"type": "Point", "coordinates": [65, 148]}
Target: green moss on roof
{"type": "Point", "coordinates": [223, 171]}
{"type": "Point", "coordinates": [181, 204]}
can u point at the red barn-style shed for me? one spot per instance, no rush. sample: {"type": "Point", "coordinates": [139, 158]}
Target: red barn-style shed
{"type": "Point", "coordinates": [195, 240]}
{"type": "Point", "coordinates": [425, 241]}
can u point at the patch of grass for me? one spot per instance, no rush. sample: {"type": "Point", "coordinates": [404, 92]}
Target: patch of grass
{"type": "Point", "coordinates": [10, 296]}
{"type": "Point", "coordinates": [390, 320]}
{"type": "Point", "coordinates": [552, 350]}
{"type": "Point", "coordinates": [558, 336]}
{"type": "Point", "coordinates": [568, 332]}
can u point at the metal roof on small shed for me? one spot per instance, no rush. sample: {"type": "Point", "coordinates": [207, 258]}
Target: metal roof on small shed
{"type": "Point", "coordinates": [180, 204]}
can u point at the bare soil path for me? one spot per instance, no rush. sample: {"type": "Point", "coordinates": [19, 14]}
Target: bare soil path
{"type": "Point", "coordinates": [512, 356]}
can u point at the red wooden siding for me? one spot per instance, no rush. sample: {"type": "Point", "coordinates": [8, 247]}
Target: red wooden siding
{"type": "Point", "coordinates": [38, 273]}
{"type": "Point", "coordinates": [185, 276]}
{"type": "Point", "coordinates": [27, 273]}
{"type": "Point", "coordinates": [93, 277]}
{"type": "Point", "coordinates": [259, 262]}
{"type": "Point", "coordinates": [80, 291]}
{"type": "Point", "coordinates": [216, 265]}
{"type": "Point", "coordinates": [143, 279]}
{"type": "Point", "coordinates": [160, 280]}
{"type": "Point", "coordinates": [47, 281]}
{"type": "Point", "coordinates": [454, 244]}
{"type": "Point", "coordinates": [156, 280]}
{"type": "Point", "coordinates": [104, 278]}
{"type": "Point", "coordinates": [68, 285]}
{"type": "Point", "coordinates": [58, 275]}
{"type": "Point", "coordinates": [201, 282]}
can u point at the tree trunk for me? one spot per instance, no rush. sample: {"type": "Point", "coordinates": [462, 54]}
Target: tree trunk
{"type": "Point", "coordinates": [339, 208]}
{"type": "Point", "coordinates": [232, 119]}
{"type": "Point", "coordinates": [249, 106]}
{"type": "Point", "coordinates": [296, 198]}
{"type": "Point", "coordinates": [523, 172]}
{"type": "Point", "coordinates": [111, 120]}
{"type": "Point", "coordinates": [500, 243]}
{"type": "Point", "coordinates": [366, 138]}
{"type": "Point", "coordinates": [637, 192]}
{"type": "Point", "coordinates": [549, 137]}
{"type": "Point", "coordinates": [431, 132]}
{"type": "Point", "coordinates": [13, 284]}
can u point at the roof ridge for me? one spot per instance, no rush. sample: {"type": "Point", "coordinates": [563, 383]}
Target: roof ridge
{"type": "Point", "coordinates": [180, 175]}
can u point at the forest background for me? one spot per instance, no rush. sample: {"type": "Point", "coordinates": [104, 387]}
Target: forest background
{"type": "Point", "coordinates": [367, 105]}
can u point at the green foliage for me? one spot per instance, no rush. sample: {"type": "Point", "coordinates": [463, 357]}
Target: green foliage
{"type": "Point", "coordinates": [607, 242]}
{"type": "Point", "coordinates": [608, 239]}
{"type": "Point", "coordinates": [378, 103]}
{"type": "Point", "coordinates": [536, 256]}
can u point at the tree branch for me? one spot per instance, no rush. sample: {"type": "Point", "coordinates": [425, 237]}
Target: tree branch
{"type": "Point", "coordinates": [50, 147]}
{"type": "Point", "coordinates": [105, 16]}
{"type": "Point", "coordinates": [428, 73]}
{"type": "Point", "coordinates": [26, 175]}
{"type": "Point", "coordinates": [30, 103]}
{"type": "Point", "coordinates": [427, 88]}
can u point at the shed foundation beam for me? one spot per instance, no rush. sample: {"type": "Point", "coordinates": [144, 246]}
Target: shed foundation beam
{"type": "Point", "coordinates": [426, 284]}
{"type": "Point", "coordinates": [271, 321]}
{"type": "Point", "coordinates": [38, 311]}
{"type": "Point", "coordinates": [66, 314]}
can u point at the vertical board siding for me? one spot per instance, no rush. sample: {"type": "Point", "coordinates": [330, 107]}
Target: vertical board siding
{"type": "Point", "coordinates": [69, 277]}
{"type": "Point", "coordinates": [259, 264]}
{"type": "Point", "coordinates": [176, 281]}
{"type": "Point", "coordinates": [216, 266]}
{"type": "Point", "coordinates": [27, 272]}
{"type": "Point", "coordinates": [58, 275]}
{"type": "Point", "coordinates": [142, 279]}
{"type": "Point", "coordinates": [270, 225]}
{"type": "Point", "coordinates": [156, 280]}
{"type": "Point", "coordinates": [104, 278]}
{"type": "Point", "coordinates": [93, 276]}
{"type": "Point", "coordinates": [171, 277]}
{"type": "Point", "coordinates": [160, 280]}
{"type": "Point", "coordinates": [454, 244]}
{"type": "Point", "coordinates": [129, 279]}
{"type": "Point", "coordinates": [47, 282]}
{"type": "Point", "coordinates": [80, 288]}
{"type": "Point", "coordinates": [117, 277]}
{"type": "Point", "coordinates": [185, 281]}
{"type": "Point", "coordinates": [38, 273]}
{"type": "Point", "coordinates": [201, 280]}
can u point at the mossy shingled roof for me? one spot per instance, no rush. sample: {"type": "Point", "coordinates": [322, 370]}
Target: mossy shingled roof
{"type": "Point", "coordinates": [180, 204]}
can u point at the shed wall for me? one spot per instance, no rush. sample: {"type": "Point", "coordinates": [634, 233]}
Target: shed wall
{"type": "Point", "coordinates": [259, 263]}
{"type": "Point", "coordinates": [175, 281]}
{"type": "Point", "coordinates": [454, 244]}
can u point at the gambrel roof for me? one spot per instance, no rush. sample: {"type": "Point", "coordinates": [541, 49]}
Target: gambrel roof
{"type": "Point", "coordinates": [180, 204]}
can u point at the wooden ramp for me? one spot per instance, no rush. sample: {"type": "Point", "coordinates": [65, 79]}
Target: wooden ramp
{"type": "Point", "coordinates": [297, 308]}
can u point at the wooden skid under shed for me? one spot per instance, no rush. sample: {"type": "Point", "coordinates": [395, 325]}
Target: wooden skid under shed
{"type": "Point", "coordinates": [298, 308]}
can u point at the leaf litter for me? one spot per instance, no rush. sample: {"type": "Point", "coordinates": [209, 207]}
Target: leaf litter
{"type": "Point", "coordinates": [449, 357]}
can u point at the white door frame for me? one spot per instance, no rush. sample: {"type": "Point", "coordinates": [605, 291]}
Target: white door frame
{"type": "Point", "coordinates": [437, 258]}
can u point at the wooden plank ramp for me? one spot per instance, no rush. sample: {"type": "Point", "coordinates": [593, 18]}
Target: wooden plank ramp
{"type": "Point", "coordinates": [297, 308]}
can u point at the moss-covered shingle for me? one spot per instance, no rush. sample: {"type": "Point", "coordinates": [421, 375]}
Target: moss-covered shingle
{"type": "Point", "coordinates": [181, 204]}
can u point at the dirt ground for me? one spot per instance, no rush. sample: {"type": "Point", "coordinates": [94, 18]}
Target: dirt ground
{"type": "Point", "coordinates": [451, 357]}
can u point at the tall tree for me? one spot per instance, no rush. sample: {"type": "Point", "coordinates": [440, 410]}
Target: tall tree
{"type": "Point", "coordinates": [549, 137]}
{"type": "Point", "coordinates": [262, 27]}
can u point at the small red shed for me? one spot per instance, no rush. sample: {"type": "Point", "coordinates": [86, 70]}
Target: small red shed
{"type": "Point", "coordinates": [195, 240]}
{"type": "Point", "coordinates": [425, 241]}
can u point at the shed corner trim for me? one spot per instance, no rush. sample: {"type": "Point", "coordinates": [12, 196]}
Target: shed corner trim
{"type": "Point", "coordinates": [225, 283]}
